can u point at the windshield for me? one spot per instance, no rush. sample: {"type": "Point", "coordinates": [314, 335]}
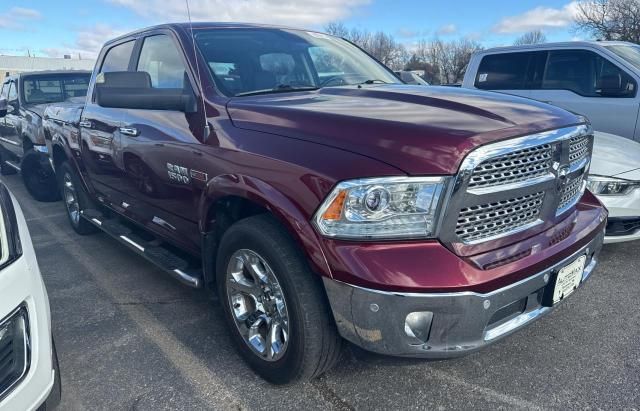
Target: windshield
{"type": "Point", "coordinates": [261, 61]}
{"type": "Point", "coordinates": [54, 88]}
{"type": "Point", "coordinates": [630, 52]}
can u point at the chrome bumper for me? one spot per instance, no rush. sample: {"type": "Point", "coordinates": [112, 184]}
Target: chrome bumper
{"type": "Point", "coordinates": [443, 325]}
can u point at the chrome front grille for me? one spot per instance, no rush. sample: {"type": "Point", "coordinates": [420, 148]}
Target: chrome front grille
{"type": "Point", "coordinates": [493, 219]}
{"type": "Point", "coordinates": [14, 350]}
{"type": "Point", "coordinates": [570, 193]}
{"type": "Point", "coordinates": [526, 183]}
{"type": "Point", "coordinates": [578, 148]}
{"type": "Point", "coordinates": [514, 167]}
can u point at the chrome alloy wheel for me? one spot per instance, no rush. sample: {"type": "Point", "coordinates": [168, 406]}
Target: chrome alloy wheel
{"type": "Point", "coordinates": [71, 198]}
{"type": "Point", "coordinates": [257, 305]}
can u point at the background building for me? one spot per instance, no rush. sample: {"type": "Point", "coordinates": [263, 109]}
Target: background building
{"type": "Point", "coordinates": [16, 64]}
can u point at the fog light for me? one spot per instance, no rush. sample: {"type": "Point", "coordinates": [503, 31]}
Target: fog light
{"type": "Point", "coordinates": [418, 324]}
{"type": "Point", "coordinates": [14, 349]}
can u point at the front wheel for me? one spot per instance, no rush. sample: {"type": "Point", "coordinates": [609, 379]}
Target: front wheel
{"type": "Point", "coordinates": [275, 306]}
{"type": "Point", "coordinates": [75, 199]}
{"type": "Point", "coordinates": [38, 177]}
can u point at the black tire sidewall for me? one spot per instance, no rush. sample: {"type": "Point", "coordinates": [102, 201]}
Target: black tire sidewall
{"type": "Point", "coordinates": [245, 236]}
{"type": "Point", "coordinates": [81, 227]}
{"type": "Point", "coordinates": [31, 163]}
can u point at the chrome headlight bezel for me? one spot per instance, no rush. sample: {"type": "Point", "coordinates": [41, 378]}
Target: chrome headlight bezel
{"type": "Point", "coordinates": [604, 185]}
{"type": "Point", "coordinates": [403, 217]}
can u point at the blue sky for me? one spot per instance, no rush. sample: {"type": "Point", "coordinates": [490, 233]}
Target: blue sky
{"type": "Point", "coordinates": [47, 27]}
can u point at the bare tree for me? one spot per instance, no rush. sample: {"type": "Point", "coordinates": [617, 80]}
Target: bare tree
{"type": "Point", "coordinates": [450, 58]}
{"type": "Point", "coordinates": [609, 19]}
{"type": "Point", "coordinates": [532, 37]}
{"type": "Point", "coordinates": [380, 45]}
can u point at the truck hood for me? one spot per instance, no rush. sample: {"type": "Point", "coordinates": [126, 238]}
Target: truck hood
{"type": "Point", "coordinates": [614, 155]}
{"type": "Point", "coordinates": [417, 129]}
{"type": "Point", "coordinates": [37, 108]}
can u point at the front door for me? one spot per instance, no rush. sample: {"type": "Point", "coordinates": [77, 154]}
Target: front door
{"type": "Point", "coordinates": [10, 129]}
{"type": "Point", "coordinates": [157, 152]}
{"type": "Point", "coordinates": [572, 80]}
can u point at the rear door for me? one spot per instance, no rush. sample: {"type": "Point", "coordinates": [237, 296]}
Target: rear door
{"type": "Point", "coordinates": [572, 79]}
{"type": "Point", "coordinates": [100, 129]}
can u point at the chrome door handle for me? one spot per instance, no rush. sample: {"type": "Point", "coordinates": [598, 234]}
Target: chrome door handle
{"type": "Point", "coordinates": [85, 124]}
{"type": "Point", "coordinates": [129, 131]}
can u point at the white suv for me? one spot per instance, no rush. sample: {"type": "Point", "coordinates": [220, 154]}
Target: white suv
{"type": "Point", "coordinates": [29, 377]}
{"type": "Point", "coordinates": [596, 79]}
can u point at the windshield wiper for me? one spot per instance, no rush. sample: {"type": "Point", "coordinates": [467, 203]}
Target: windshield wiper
{"type": "Point", "coordinates": [281, 88]}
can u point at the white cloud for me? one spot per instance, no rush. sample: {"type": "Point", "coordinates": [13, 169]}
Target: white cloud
{"type": "Point", "coordinates": [539, 18]}
{"type": "Point", "coordinates": [447, 29]}
{"type": "Point", "coordinates": [16, 17]}
{"type": "Point", "coordinates": [88, 42]}
{"type": "Point", "coordinates": [288, 12]}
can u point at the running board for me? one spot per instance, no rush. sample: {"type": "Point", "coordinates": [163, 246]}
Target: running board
{"type": "Point", "coordinates": [162, 257]}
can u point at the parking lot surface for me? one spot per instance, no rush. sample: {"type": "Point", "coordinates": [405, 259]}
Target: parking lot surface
{"type": "Point", "coordinates": [130, 337]}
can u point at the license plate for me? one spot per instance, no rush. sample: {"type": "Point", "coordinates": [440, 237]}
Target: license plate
{"type": "Point", "coordinates": [568, 279]}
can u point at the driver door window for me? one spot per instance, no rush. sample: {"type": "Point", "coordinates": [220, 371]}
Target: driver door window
{"type": "Point", "coordinates": [160, 58]}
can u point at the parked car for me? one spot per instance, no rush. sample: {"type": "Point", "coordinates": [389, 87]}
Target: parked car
{"type": "Point", "coordinates": [410, 77]}
{"type": "Point", "coordinates": [322, 198]}
{"type": "Point", "coordinates": [29, 376]}
{"type": "Point", "coordinates": [597, 79]}
{"type": "Point", "coordinates": [615, 179]}
{"type": "Point", "coordinates": [23, 98]}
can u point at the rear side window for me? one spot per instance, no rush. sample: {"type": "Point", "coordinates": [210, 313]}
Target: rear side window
{"type": "Point", "coordinates": [117, 58]}
{"type": "Point", "coordinates": [54, 88]}
{"type": "Point", "coordinates": [585, 73]}
{"type": "Point", "coordinates": [507, 71]}
{"type": "Point", "coordinates": [162, 60]}
{"type": "Point", "coordinates": [5, 89]}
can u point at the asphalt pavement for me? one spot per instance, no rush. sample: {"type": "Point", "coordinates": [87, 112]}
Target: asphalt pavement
{"type": "Point", "coordinates": [130, 337]}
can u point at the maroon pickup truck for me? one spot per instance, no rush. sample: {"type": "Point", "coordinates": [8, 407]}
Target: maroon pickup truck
{"type": "Point", "coordinates": [322, 198]}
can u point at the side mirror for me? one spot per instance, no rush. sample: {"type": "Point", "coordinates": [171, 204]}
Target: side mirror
{"type": "Point", "coordinates": [4, 106]}
{"type": "Point", "coordinates": [133, 90]}
{"type": "Point", "coordinates": [613, 86]}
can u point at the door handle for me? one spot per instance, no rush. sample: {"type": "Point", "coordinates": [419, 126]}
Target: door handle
{"type": "Point", "coordinates": [85, 124]}
{"type": "Point", "coordinates": [129, 131]}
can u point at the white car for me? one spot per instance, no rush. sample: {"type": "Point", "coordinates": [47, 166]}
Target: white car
{"type": "Point", "coordinates": [29, 377]}
{"type": "Point", "coordinates": [615, 179]}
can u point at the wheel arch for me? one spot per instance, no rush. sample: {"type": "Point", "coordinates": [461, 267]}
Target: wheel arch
{"type": "Point", "coordinates": [247, 196]}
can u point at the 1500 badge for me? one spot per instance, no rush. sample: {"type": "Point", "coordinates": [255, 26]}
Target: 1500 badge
{"type": "Point", "coordinates": [178, 174]}
{"type": "Point", "coordinates": [183, 175]}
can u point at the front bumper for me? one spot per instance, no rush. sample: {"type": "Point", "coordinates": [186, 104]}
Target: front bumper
{"type": "Point", "coordinates": [624, 212]}
{"type": "Point", "coordinates": [451, 324]}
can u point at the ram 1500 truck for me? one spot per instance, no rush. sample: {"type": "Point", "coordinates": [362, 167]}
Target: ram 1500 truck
{"type": "Point", "coordinates": [23, 99]}
{"type": "Point", "coordinates": [324, 199]}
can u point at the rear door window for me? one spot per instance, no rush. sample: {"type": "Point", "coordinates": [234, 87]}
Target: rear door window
{"type": "Point", "coordinates": [505, 71]}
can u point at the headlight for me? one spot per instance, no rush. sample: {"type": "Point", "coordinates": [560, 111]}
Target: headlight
{"type": "Point", "coordinates": [610, 186]}
{"type": "Point", "coordinates": [375, 208]}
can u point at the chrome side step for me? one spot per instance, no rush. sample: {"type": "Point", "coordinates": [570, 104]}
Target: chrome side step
{"type": "Point", "coordinates": [163, 258]}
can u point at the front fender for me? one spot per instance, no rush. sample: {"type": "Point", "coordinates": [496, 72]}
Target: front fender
{"type": "Point", "coordinates": [265, 195]}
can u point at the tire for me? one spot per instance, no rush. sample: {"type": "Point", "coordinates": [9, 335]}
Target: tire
{"type": "Point", "coordinates": [39, 178]}
{"type": "Point", "coordinates": [312, 344]}
{"type": "Point", "coordinates": [5, 169]}
{"type": "Point", "coordinates": [75, 199]}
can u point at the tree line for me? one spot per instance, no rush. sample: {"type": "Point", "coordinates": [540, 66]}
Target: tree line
{"type": "Point", "coordinates": [445, 61]}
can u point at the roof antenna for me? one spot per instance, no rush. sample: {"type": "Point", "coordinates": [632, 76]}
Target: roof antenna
{"type": "Point", "coordinates": [207, 127]}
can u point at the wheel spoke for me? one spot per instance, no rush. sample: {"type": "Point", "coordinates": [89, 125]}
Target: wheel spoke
{"type": "Point", "coordinates": [257, 304]}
